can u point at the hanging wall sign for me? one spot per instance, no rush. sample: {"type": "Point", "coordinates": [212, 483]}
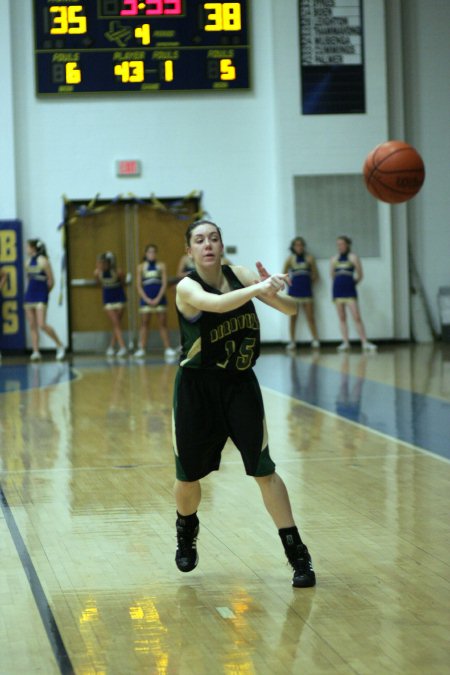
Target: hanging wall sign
{"type": "Point", "coordinates": [331, 57]}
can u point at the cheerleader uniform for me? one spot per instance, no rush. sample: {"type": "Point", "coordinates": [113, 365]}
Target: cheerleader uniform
{"type": "Point", "coordinates": [300, 276]}
{"type": "Point", "coordinates": [344, 286]}
{"type": "Point", "coordinates": [151, 284]}
{"type": "Point", "coordinates": [37, 291]}
{"type": "Point", "coordinates": [113, 293]}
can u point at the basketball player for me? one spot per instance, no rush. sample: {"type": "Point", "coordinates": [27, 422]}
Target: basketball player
{"type": "Point", "coordinates": [112, 281]}
{"type": "Point", "coordinates": [217, 395]}
{"type": "Point", "coordinates": [346, 272]}
{"type": "Point", "coordinates": [151, 281]}
{"type": "Point", "coordinates": [302, 270]}
{"type": "Point", "coordinates": [40, 282]}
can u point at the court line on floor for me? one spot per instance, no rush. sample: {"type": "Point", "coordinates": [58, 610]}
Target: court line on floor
{"type": "Point", "coordinates": [46, 614]}
{"type": "Point", "coordinates": [292, 460]}
{"type": "Point", "coordinates": [366, 428]}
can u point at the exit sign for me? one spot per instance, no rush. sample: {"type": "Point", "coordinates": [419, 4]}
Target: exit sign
{"type": "Point", "coordinates": [128, 167]}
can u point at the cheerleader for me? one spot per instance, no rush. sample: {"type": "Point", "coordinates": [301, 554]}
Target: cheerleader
{"type": "Point", "coordinates": [346, 272]}
{"type": "Point", "coordinates": [40, 282]}
{"type": "Point", "coordinates": [112, 281]}
{"type": "Point", "coordinates": [302, 271]}
{"type": "Point", "coordinates": [151, 281]}
{"type": "Point", "coordinates": [185, 266]}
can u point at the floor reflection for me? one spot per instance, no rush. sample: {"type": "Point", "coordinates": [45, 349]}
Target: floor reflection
{"type": "Point", "coordinates": [348, 401]}
{"type": "Point", "coordinates": [343, 385]}
{"type": "Point", "coordinates": [192, 629]}
{"type": "Point", "coordinates": [35, 421]}
{"type": "Point", "coordinates": [21, 377]}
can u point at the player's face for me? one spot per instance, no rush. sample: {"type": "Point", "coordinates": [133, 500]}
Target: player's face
{"type": "Point", "coordinates": [298, 247]}
{"type": "Point", "coordinates": [206, 246]}
{"type": "Point", "coordinates": [31, 250]}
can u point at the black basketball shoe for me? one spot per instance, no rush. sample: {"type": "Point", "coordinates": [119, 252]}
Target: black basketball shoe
{"type": "Point", "coordinates": [186, 556]}
{"type": "Point", "coordinates": [301, 563]}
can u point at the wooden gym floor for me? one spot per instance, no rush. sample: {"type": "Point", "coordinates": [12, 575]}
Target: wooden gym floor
{"type": "Point", "coordinates": [88, 583]}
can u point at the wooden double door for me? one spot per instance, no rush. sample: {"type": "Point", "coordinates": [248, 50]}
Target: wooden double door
{"type": "Point", "coordinates": [124, 227]}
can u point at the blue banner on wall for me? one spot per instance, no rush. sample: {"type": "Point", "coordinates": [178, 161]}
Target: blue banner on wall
{"type": "Point", "coordinates": [12, 323]}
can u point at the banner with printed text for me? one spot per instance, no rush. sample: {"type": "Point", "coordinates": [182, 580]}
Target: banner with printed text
{"type": "Point", "coordinates": [12, 323]}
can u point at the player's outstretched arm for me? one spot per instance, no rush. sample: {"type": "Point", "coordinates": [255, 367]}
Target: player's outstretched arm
{"type": "Point", "coordinates": [192, 298]}
{"type": "Point", "coordinates": [281, 302]}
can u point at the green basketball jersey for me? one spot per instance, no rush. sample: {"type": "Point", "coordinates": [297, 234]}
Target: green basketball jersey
{"type": "Point", "coordinates": [227, 341]}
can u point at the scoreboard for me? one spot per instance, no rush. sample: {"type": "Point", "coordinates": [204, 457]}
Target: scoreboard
{"type": "Point", "coordinates": [86, 46]}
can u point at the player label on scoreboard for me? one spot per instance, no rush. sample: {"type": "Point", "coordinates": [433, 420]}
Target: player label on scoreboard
{"type": "Point", "coordinates": [86, 46]}
{"type": "Point", "coordinates": [332, 56]}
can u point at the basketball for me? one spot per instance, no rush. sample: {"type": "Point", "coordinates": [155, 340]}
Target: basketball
{"type": "Point", "coordinates": [394, 172]}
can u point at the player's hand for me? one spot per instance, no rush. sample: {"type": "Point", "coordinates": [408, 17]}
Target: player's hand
{"type": "Point", "coordinates": [263, 273]}
{"type": "Point", "coordinates": [273, 284]}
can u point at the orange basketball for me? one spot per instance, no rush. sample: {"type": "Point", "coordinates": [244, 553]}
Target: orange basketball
{"type": "Point", "coordinates": [394, 172]}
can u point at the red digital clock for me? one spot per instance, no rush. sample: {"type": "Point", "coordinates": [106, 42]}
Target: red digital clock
{"type": "Point", "coordinates": [140, 45]}
{"type": "Point", "coordinates": [152, 7]}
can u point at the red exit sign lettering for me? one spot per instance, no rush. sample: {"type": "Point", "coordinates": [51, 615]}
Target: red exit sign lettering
{"type": "Point", "coordinates": [128, 167]}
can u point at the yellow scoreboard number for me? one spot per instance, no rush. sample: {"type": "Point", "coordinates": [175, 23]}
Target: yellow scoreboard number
{"type": "Point", "coordinates": [68, 20]}
{"type": "Point", "coordinates": [223, 16]}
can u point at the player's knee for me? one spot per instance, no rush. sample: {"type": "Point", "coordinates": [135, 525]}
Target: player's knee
{"type": "Point", "coordinates": [266, 480]}
{"type": "Point", "coordinates": [186, 485]}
